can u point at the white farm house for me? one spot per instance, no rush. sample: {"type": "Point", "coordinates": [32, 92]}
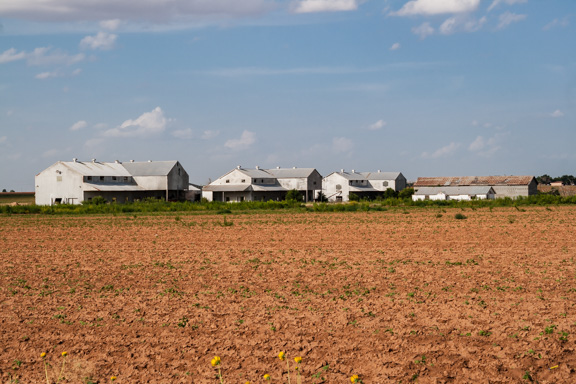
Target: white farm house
{"type": "Point", "coordinates": [72, 182]}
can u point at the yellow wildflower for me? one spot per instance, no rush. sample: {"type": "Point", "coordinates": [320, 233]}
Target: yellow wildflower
{"type": "Point", "coordinates": [354, 379]}
{"type": "Point", "coordinates": [43, 355]}
{"type": "Point", "coordinates": [281, 355]}
{"type": "Point", "coordinates": [298, 359]}
{"type": "Point", "coordinates": [113, 378]}
{"type": "Point", "coordinates": [266, 377]}
{"type": "Point", "coordinates": [64, 353]}
{"type": "Point", "coordinates": [215, 361]}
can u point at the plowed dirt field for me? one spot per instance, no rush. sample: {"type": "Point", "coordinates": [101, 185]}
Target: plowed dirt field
{"type": "Point", "coordinates": [393, 296]}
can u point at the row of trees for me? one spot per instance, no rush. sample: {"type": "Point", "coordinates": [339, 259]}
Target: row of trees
{"type": "Point", "coordinates": [4, 191]}
{"type": "Point", "coordinates": [547, 179]}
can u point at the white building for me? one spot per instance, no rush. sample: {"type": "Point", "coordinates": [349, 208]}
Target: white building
{"type": "Point", "coordinates": [504, 186]}
{"type": "Point", "coordinates": [337, 186]}
{"type": "Point", "coordinates": [454, 193]}
{"type": "Point", "coordinates": [72, 182]}
{"type": "Point", "coordinates": [241, 184]}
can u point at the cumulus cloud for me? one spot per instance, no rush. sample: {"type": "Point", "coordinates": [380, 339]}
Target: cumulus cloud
{"type": "Point", "coordinates": [111, 25]}
{"type": "Point", "coordinates": [160, 11]}
{"type": "Point", "coordinates": [209, 134]}
{"type": "Point", "coordinates": [11, 55]}
{"type": "Point", "coordinates": [342, 145]}
{"type": "Point", "coordinates": [148, 124]}
{"type": "Point", "coordinates": [564, 22]}
{"type": "Point", "coordinates": [423, 30]}
{"type": "Point", "coordinates": [495, 3]}
{"type": "Point", "coordinates": [310, 6]}
{"type": "Point", "coordinates": [48, 56]}
{"type": "Point", "coordinates": [442, 152]}
{"type": "Point", "coordinates": [46, 75]}
{"type": "Point", "coordinates": [245, 141]}
{"type": "Point", "coordinates": [79, 125]}
{"type": "Point", "coordinates": [461, 24]}
{"type": "Point", "coordinates": [508, 18]}
{"type": "Point", "coordinates": [557, 113]}
{"type": "Point", "coordinates": [101, 41]}
{"type": "Point", "coordinates": [377, 125]}
{"type": "Point", "coordinates": [486, 147]}
{"type": "Point", "coordinates": [436, 7]}
{"type": "Point", "coordinates": [185, 134]}
{"type": "Point", "coordinates": [395, 46]}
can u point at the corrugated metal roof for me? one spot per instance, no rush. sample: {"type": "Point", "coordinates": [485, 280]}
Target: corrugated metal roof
{"type": "Point", "coordinates": [350, 175]}
{"type": "Point", "coordinates": [256, 173]}
{"type": "Point", "coordinates": [96, 168]}
{"type": "Point", "coordinates": [451, 191]}
{"type": "Point", "coordinates": [473, 180]}
{"type": "Point", "coordinates": [362, 189]}
{"type": "Point", "coordinates": [150, 168]}
{"type": "Point", "coordinates": [266, 188]}
{"type": "Point", "coordinates": [226, 188]}
{"type": "Point", "coordinates": [381, 175]}
{"type": "Point", "coordinates": [112, 187]}
{"type": "Point", "coordinates": [286, 173]}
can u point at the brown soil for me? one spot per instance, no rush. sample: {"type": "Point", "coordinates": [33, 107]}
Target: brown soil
{"type": "Point", "coordinates": [395, 296]}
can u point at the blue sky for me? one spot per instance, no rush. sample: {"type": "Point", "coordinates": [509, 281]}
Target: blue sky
{"type": "Point", "coordinates": [424, 87]}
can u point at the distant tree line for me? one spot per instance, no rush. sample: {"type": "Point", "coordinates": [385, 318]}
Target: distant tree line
{"type": "Point", "coordinates": [565, 179]}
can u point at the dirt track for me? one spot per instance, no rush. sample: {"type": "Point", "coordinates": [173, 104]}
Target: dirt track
{"type": "Point", "coordinates": [390, 296]}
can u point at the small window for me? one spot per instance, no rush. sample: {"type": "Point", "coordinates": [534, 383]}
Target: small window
{"type": "Point", "coordinates": [89, 178]}
{"type": "Point", "coordinates": [227, 198]}
{"type": "Point", "coordinates": [125, 178]}
{"type": "Point", "coordinates": [385, 184]}
{"type": "Point", "coordinates": [243, 180]}
{"type": "Point", "coordinates": [314, 183]}
{"type": "Point", "coordinates": [228, 181]}
{"type": "Point", "coordinates": [338, 187]}
{"type": "Point", "coordinates": [114, 178]}
{"type": "Point", "coordinates": [101, 178]}
{"type": "Point", "coordinates": [58, 178]}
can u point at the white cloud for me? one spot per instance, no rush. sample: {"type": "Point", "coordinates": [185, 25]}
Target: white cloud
{"type": "Point", "coordinates": [208, 134]}
{"type": "Point", "coordinates": [78, 125]}
{"type": "Point", "coordinates": [423, 30]}
{"type": "Point", "coordinates": [309, 6]}
{"type": "Point", "coordinates": [508, 18]}
{"type": "Point", "coordinates": [102, 41]}
{"type": "Point", "coordinates": [487, 147]}
{"type": "Point", "coordinates": [46, 75]}
{"type": "Point", "coordinates": [110, 25]}
{"type": "Point", "coordinates": [508, 2]}
{"type": "Point", "coordinates": [148, 124]}
{"type": "Point", "coordinates": [11, 55]}
{"type": "Point", "coordinates": [557, 113]}
{"type": "Point", "coordinates": [564, 22]}
{"type": "Point", "coordinates": [160, 11]}
{"type": "Point", "coordinates": [395, 46]}
{"type": "Point", "coordinates": [47, 56]}
{"type": "Point", "coordinates": [245, 141]}
{"type": "Point", "coordinates": [437, 7]}
{"type": "Point", "coordinates": [377, 125]}
{"type": "Point", "coordinates": [342, 145]}
{"type": "Point", "coordinates": [442, 152]}
{"type": "Point", "coordinates": [461, 24]}
{"type": "Point", "coordinates": [185, 134]}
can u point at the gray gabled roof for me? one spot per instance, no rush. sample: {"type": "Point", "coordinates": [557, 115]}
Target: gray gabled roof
{"type": "Point", "coordinates": [381, 175]}
{"type": "Point", "coordinates": [349, 175]}
{"type": "Point", "coordinates": [288, 173]}
{"type": "Point", "coordinates": [94, 168]}
{"type": "Point", "coordinates": [150, 168]}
